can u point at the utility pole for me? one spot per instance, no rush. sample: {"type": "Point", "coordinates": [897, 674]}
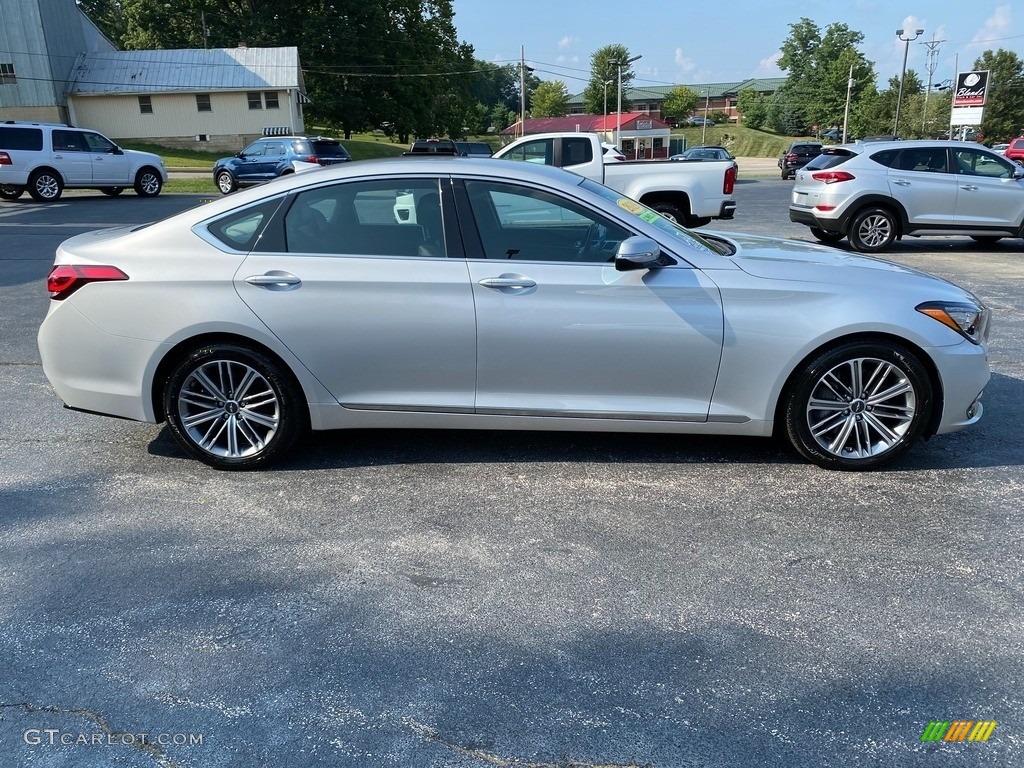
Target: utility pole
{"type": "Point", "coordinates": [933, 55]}
{"type": "Point", "coordinates": [522, 89]}
{"type": "Point", "coordinates": [903, 74]}
{"type": "Point", "coordinates": [849, 93]}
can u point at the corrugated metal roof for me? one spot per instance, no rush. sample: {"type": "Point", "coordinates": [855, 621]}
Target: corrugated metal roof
{"type": "Point", "coordinates": [713, 90]}
{"type": "Point", "coordinates": [201, 69]}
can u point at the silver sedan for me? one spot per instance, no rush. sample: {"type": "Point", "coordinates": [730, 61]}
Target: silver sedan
{"type": "Point", "coordinates": [515, 297]}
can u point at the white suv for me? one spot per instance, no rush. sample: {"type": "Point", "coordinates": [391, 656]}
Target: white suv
{"type": "Point", "coordinates": [873, 193]}
{"type": "Point", "coordinates": [46, 158]}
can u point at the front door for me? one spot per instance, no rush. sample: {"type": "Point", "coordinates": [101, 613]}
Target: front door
{"type": "Point", "coordinates": [988, 196]}
{"type": "Point", "coordinates": [921, 180]}
{"type": "Point", "coordinates": [562, 333]}
{"type": "Point", "coordinates": [109, 165]}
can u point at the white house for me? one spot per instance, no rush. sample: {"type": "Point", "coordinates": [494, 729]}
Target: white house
{"type": "Point", "coordinates": [216, 98]}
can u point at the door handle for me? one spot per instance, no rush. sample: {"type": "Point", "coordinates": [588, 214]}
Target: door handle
{"type": "Point", "coordinates": [969, 187]}
{"type": "Point", "coordinates": [902, 182]}
{"type": "Point", "coordinates": [508, 282]}
{"type": "Point", "coordinates": [273, 280]}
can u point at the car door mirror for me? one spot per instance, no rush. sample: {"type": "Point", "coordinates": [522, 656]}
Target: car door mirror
{"type": "Point", "coordinates": [116, 150]}
{"type": "Point", "coordinates": [1018, 172]}
{"type": "Point", "coordinates": [637, 253]}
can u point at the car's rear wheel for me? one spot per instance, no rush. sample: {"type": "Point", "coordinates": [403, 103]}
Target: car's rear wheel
{"type": "Point", "coordinates": [697, 221]}
{"type": "Point", "coordinates": [670, 212]}
{"type": "Point", "coordinates": [825, 236]}
{"type": "Point", "coordinates": [226, 182]}
{"type": "Point", "coordinates": [785, 174]}
{"type": "Point", "coordinates": [232, 407]}
{"type": "Point", "coordinates": [112, 191]}
{"type": "Point", "coordinates": [872, 230]}
{"type": "Point", "coordinates": [148, 183]}
{"type": "Point", "coordinates": [11, 193]}
{"type": "Point", "coordinates": [45, 185]}
{"type": "Point", "coordinates": [986, 239]}
{"type": "Point", "coordinates": [858, 406]}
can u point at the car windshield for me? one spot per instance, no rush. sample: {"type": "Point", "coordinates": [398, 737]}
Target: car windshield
{"type": "Point", "coordinates": [655, 219]}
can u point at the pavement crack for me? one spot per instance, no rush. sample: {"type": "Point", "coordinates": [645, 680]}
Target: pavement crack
{"type": "Point", "coordinates": [490, 758]}
{"type": "Point", "coordinates": [147, 747]}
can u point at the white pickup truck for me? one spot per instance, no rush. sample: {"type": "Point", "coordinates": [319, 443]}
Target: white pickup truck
{"type": "Point", "coordinates": [691, 193]}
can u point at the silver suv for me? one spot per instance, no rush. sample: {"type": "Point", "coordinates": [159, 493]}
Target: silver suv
{"type": "Point", "coordinates": [47, 158]}
{"type": "Point", "coordinates": [874, 193]}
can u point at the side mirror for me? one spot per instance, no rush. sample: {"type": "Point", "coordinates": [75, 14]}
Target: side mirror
{"type": "Point", "coordinates": [240, 155]}
{"type": "Point", "coordinates": [116, 150]}
{"type": "Point", "coordinates": [637, 253]}
{"type": "Point", "coordinates": [1018, 172]}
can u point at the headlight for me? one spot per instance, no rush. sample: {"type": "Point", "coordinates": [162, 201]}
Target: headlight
{"type": "Point", "coordinates": [970, 320]}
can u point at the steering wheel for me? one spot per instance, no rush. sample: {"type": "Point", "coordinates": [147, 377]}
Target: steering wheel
{"type": "Point", "coordinates": [593, 242]}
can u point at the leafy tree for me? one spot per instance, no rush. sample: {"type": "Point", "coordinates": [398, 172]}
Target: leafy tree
{"type": "Point", "coordinates": [602, 69]}
{"type": "Point", "coordinates": [551, 99]}
{"type": "Point", "coordinates": [819, 69]}
{"type": "Point", "coordinates": [753, 108]}
{"type": "Point", "coordinates": [1004, 107]}
{"type": "Point", "coordinates": [679, 102]}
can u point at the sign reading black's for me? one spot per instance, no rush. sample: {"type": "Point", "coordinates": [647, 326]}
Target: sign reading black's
{"type": "Point", "coordinates": [971, 88]}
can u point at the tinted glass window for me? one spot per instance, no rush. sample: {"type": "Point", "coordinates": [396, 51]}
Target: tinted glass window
{"type": "Point", "coordinates": [329, 149]}
{"type": "Point", "coordinates": [576, 151]}
{"type": "Point", "coordinates": [827, 160]}
{"type": "Point", "coordinates": [397, 217]}
{"type": "Point", "coordinates": [520, 223]}
{"type": "Point", "coordinates": [539, 151]}
{"type": "Point", "coordinates": [69, 141]}
{"type": "Point", "coordinates": [928, 159]}
{"type": "Point", "coordinates": [256, 149]}
{"type": "Point", "coordinates": [887, 157]}
{"type": "Point", "coordinates": [29, 139]}
{"type": "Point", "coordinates": [973, 162]}
{"type": "Point", "coordinates": [98, 143]}
{"type": "Point", "coordinates": [240, 230]}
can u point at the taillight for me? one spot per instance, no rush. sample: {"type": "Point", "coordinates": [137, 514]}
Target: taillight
{"type": "Point", "coordinates": [65, 279]}
{"type": "Point", "coordinates": [5, 159]}
{"type": "Point", "coordinates": [832, 177]}
{"type": "Point", "coordinates": [730, 180]}
{"type": "Point", "coordinates": [791, 157]}
{"type": "Point", "coordinates": [311, 159]}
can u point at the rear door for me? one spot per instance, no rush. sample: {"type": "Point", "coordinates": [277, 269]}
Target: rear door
{"type": "Point", "coordinates": [919, 178]}
{"type": "Point", "coordinates": [72, 157]}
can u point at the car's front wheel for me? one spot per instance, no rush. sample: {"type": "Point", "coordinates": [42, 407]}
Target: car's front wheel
{"type": "Point", "coordinates": [232, 407]}
{"type": "Point", "coordinates": [872, 230]}
{"type": "Point", "coordinates": [226, 182]}
{"type": "Point", "coordinates": [825, 236]}
{"type": "Point", "coordinates": [148, 183]}
{"type": "Point", "coordinates": [858, 406]}
{"type": "Point", "coordinates": [45, 185]}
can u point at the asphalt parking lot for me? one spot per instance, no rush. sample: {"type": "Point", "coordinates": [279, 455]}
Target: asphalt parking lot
{"type": "Point", "coordinates": [490, 599]}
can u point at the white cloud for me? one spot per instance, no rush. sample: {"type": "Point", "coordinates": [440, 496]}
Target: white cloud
{"type": "Point", "coordinates": [769, 66]}
{"type": "Point", "coordinates": [567, 60]}
{"type": "Point", "coordinates": [685, 64]}
{"type": "Point", "coordinates": [568, 40]}
{"type": "Point", "coordinates": [996, 26]}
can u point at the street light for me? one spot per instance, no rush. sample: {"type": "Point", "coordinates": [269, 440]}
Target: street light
{"type": "Point", "coordinates": [906, 49]}
{"type": "Point", "coordinates": [606, 84]}
{"type": "Point", "coordinates": [618, 122]}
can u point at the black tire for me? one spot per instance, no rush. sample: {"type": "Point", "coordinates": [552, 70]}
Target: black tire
{"type": "Point", "coordinates": [872, 230]}
{"type": "Point", "coordinates": [863, 421]}
{"type": "Point", "coordinates": [785, 174]}
{"type": "Point", "coordinates": [11, 193]}
{"type": "Point", "coordinates": [827, 237]}
{"type": "Point", "coordinates": [670, 212]}
{"type": "Point", "coordinates": [45, 185]}
{"type": "Point", "coordinates": [225, 182]}
{"type": "Point", "coordinates": [148, 182]}
{"type": "Point", "coordinates": [247, 429]}
{"type": "Point", "coordinates": [112, 191]}
{"type": "Point", "coordinates": [986, 239]}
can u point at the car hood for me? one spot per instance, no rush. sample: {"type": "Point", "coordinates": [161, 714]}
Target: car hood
{"type": "Point", "coordinates": [143, 157]}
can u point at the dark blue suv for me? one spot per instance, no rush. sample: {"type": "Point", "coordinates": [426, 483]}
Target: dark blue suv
{"type": "Point", "coordinates": [272, 156]}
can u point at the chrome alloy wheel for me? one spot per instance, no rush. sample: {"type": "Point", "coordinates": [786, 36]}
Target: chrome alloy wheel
{"type": "Point", "coordinates": [228, 409]}
{"type": "Point", "coordinates": [875, 230]}
{"type": "Point", "coordinates": [861, 408]}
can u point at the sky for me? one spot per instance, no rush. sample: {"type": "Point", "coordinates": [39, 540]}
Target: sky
{"type": "Point", "coordinates": [682, 43]}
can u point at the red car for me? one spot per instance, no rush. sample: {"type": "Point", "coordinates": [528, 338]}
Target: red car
{"type": "Point", "coordinates": [1015, 151]}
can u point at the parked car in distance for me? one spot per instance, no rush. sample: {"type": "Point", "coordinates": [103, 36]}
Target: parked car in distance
{"type": "Point", "coordinates": [797, 156]}
{"type": "Point", "coordinates": [706, 153]}
{"type": "Point", "coordinates": [44, 159]}
{"type": "Point", "coordinates": [1015, 151]}
{"type": "Point", "coordinates": [612, 154]}
{"type": "Point", "coordinates": [524, 297]}
{"type": "Point", "coordinates": [433, 146]}
{"type": "Point", "coordinates": [697, 120]}
{"type": "Point", "coordinates": [474, 148]}
{"type": "Point", "coordinates": [273, 156]}
{"type": "Point", "coordinates": [833, 135]}
{"type": "Point", "coordinates": [1000, 148]}
{"type": "Point", "coordinates": [878, 192]}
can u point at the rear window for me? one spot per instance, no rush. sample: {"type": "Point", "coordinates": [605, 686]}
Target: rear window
{"type": "Point", "coordinates": [806, 148]}
{"type": "Point", "coordinates": [30, 139]}
{"type": "Point", "coordinates": [329, 149]}
{"type": "Point", "coordinates": [829, 159]}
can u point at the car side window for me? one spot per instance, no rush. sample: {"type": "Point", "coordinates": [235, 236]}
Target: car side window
{"type": "Point", "coordinates": [526, 224]}
{"type": "Point", "coordinates": [256, 149]}
{"type": "Point", "coordinates": [539, 151]}
{"type": "Point", "coordinates": [393, 217]}
{"type": "Point", "coordinates": [69, 141]}
{"type": "Point", "coordinates": [971, 162]}
{"type": "Point", "coordinates": [98, 143]}
{"type": "Point", "coordinates": [273, 148]}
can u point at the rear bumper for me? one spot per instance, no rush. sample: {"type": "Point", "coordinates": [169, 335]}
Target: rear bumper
{"type": "Point", "coordinates": [728, 210]}
{"type": "Point", "coordinates": [806, 216]}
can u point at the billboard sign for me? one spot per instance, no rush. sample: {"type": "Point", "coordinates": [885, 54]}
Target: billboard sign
{"type": "Point", "coordinates": [971, 88]}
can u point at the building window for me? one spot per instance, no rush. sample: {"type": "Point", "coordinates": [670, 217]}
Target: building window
{"type": "Point", "coordinates": [203, 102]}
{"type": "Point", "coordinates": [270, 97]}
{"type": "Point", "coordinates": [7, 75]}
{"type": "Point", "coordinates": [255, 100]}
{"type": "Point", "coordinates": [146, 105]}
